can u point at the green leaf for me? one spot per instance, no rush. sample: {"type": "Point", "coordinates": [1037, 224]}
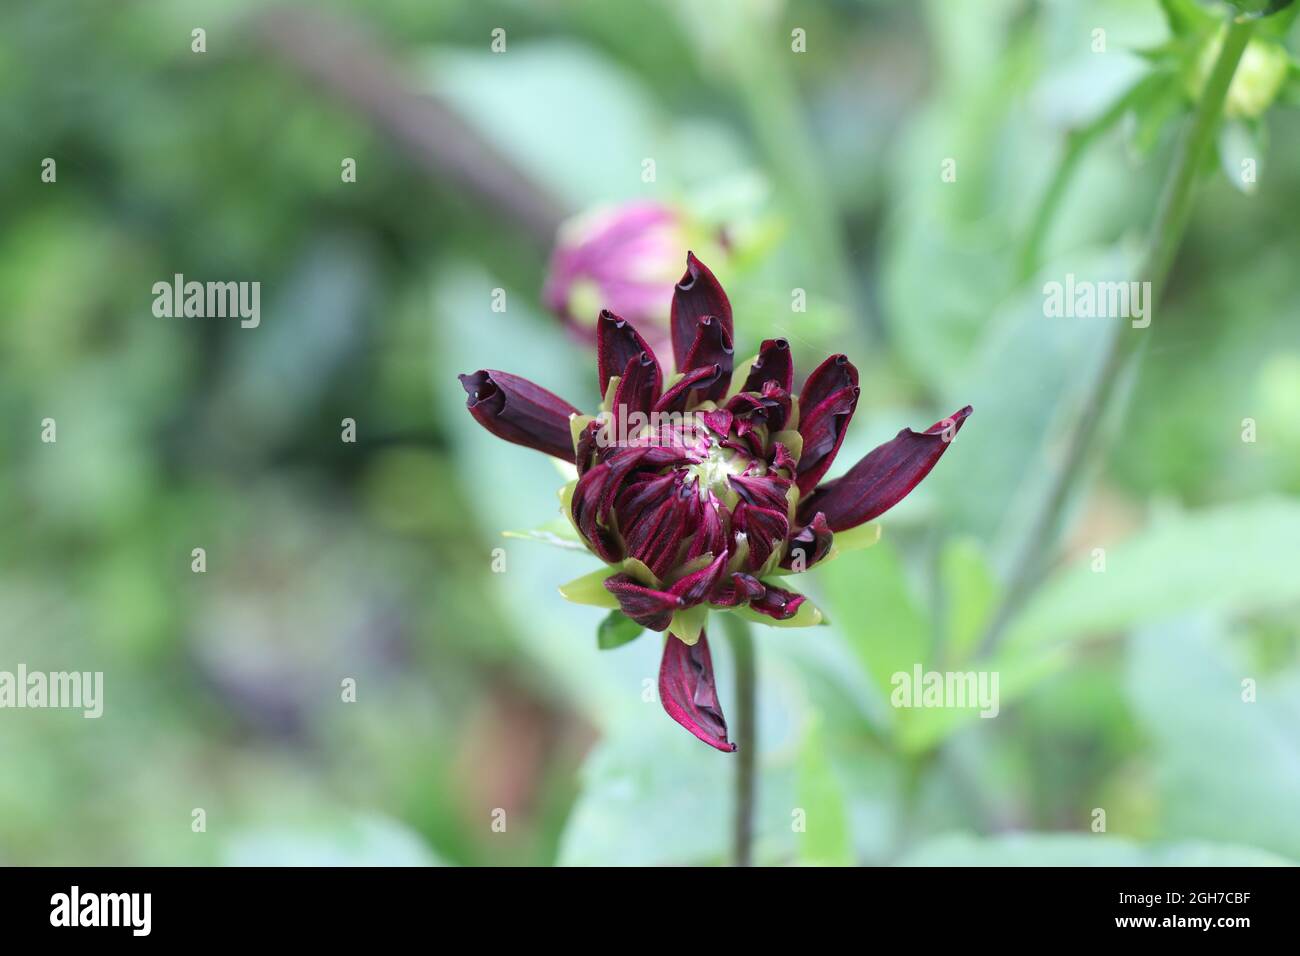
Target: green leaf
{"type": "Point", "coordinates": [1228, 760]}
{"type": "Point", "coordinates": [826, 839]}
{"type": "Point", "coordinates": [1079, 849]}
{"type": "Point", "coordinates": [971, 590]}
{"type": "Point", "coordinates": [508, 99]}
{"type": "Point", "coordinates": [362, 840]}
{"type": "Point", "coordinates": [687, 625]}
{"type": "Point", "coordinates": [616, 630]}
{"type": "Point", "coordinates": [876, 613]}
{"type": "Point", "coordinates": [1187, 17]}
{"type": "Point", "coordinates": [1154, 113]}
{"type": "Point", "coordinates": [1241, 153]}
{"type": "Point", "coordinates": [558, 533]}
{"type": "Point", "coordinates": [653, 795]}
{"type": "Point", "coordinates": [590, 589]}
{"type": "Point", "coordinates": [1279, 18]}
{"type": "Point", "coordinates": [1231, 559]}
{"type": "Point", "coordinates": [1028, 377]}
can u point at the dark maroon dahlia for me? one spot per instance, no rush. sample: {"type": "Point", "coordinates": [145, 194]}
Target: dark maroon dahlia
{"type": "Point", "coordinates": [699, 489]}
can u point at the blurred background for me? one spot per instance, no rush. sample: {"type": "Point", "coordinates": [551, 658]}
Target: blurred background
{"type": "Point", "coordinates": [802, 150]}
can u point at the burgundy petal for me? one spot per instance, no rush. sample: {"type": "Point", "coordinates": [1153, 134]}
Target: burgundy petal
{"type": "Point", "coordinates": [648, 607]}
{"type": "Point", "coordinates": [765, 491]}
{"type": "Point", "coordinates": [884, 477]}
{"type": "Point", "coordinates": [710, 533]}
{"type": "Point", "coordinates": [718, 421]}
{"type": "Point", "coordinates": [689, 694]}
{"type": "Point", "coordinates": [770, 407]}
{"type": "Point", "coordinates": [764, 528]}
{"type": "Point", "coordinates": [674, 400]}
{"type": "Point", "coordinates": [593, 498]}
{"type": "Point", "coordinates": [778, 603]}
{"type": "Point", "coordinates": [835, 373]}
{"type": "Point", "coordinates": [697, 294]}
{"type": "Point", "coordinates": [812, 541]}
{"type": "Point", "coordinates": [698, 585]}
{"type": "Point", "coordinates": [741, 589]}
{"type": "Point", "coordinates": [617, 343]}
{"type": "Point", "coordinates": [588, 442]}
{"type": "Point", "coordinates": [515, 409]}
{"type": "Point", "coordinates": [823, 428]}
{"type": "Point", "coordinates": [587, 496]}
{"type": "Point", "coordinates": [638, 388]}
{"type": "Point", "coordinates": [781, 458]}
{"type": "Point", "coordinates": [658, 533]}
{"type": "Point", "coordinates": [773, 364]}
{"type": "Point", "coordinates": [712, 346]}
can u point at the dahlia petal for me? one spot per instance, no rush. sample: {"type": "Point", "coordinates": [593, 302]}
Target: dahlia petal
{"type": "Point", "coordinates": [781, 458]}
{"type": "Point", "coordinates": [639, 493]}
{"type": "Point", "coordinates": [765, 491]}
{"type": "Point", "coordinates": [674, 399]}
{"type": "Point", "coordinates": [778, 603]}
{"type": "Point", "coordinates": [809, 544]}
{"type": "Point", "coordinates": [648, 607]}
{"type": "Point", "coordinates": [658, 535]}
{"type": "Point", "coordinates": [587, 496]}
{"type": "Point", "coordinates": [823, 428]}
{"type": "Point", "coordinates": [617, 343]}
{"type": "Point", "coordinates": [638, 387]}
{"type": "Point", "coordinates": [712, 346]}
{"type": "Point", "coordinates": [688, 692]}
{"type": "Point", "coordinates": [697, 294]}
{"type": "Point", "coordinates": [835, 373]}
{"type": "Point", "coordinates": [515, 409]}
{"type": "Point", "coordinates": [764, 529]}
{"type": "Point", "coordinates": [774, 364]}
{"type": "Point", "coordinates": [741, 589]}
{"type": "Point", "coordinates": [771, 408]}
{"type": "Point", "coordinates": [587, 445]}
{"type": "Point", "coordinates": [710, 534]}
{"type": "Point", "coordinates": [698, 585]}
{"type": "Point", "coordinates": [718, 421]}
{"type": "Point", "coordinates": [885, 476]}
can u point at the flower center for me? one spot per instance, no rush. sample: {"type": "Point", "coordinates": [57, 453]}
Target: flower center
{"type": "Point", "coordinates": [711, 474]}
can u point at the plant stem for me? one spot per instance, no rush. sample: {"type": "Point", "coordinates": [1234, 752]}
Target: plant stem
{"type": "Point", "coordinates": [1077, 143]}
{"type": "Point", "coordinates": [1172, 215]}
{"type": "Point", "coordinates": [746, 738]}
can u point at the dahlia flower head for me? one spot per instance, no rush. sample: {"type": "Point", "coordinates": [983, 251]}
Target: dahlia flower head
{"type": "Point", "coordinates": [703, 489]}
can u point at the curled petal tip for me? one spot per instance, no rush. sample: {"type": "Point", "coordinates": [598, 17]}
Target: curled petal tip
{"type": "Point", "coordinates": [519, 411]}
{"type": "Point", "coordinates": [697, 294]}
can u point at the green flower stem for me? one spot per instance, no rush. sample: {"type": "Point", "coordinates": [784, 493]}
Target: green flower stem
{"type": "Point", "coordinates": [1077, 144]}
{"type": "Point", "coordinates": [1174, 211]}
{"type": "Point", "coordinates": [745, 737]}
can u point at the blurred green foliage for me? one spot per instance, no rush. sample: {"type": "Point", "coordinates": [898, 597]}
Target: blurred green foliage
{"type": "Point", "coordinates": [480, 692]}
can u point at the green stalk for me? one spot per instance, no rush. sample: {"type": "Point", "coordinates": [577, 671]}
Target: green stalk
{"type": "Point", "coordinates": [746, 738]}
{"type": "Point", "coordinates": [1172, 215]}
{"type": "Point", "coordinates": [1077, 144]}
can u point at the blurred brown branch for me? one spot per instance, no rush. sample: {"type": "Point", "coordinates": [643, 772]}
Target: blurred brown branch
{"type": "Point", "coordinates": [339, 55]}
